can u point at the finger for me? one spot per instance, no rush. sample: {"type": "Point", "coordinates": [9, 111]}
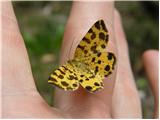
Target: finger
{"type": "Point", "coordinates": [151, 61]}
{"type": "Point", "coordinates": [126, 102]}
{"type": "Point", "coordinates": [19, 95]}
{"type": "Point", "coordinates": [16, 69]}
{"type": "Point", "coordinates": [81, 103]}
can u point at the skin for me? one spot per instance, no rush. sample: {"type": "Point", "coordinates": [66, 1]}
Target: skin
{"type": "Point", "coordinates": [150, 59]}
{"type": "Point", "coordinates": [19, 94]}
{"type": "Point", "coordinates": [76, 28]}
{"type": "Point", "coordinates": [126, 101]}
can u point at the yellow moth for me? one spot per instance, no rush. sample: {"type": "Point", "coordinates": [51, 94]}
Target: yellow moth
{"type": "Point", "coordinates": [91, 62]}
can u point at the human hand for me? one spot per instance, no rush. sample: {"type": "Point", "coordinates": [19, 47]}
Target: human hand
{"type": "Point", "coordinates": [101, 104]}
{"type": "Point", "coordinates": [21, 99]}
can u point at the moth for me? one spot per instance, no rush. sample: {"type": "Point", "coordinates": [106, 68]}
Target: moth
{"type": "Point", "coordinates": [90, 64]}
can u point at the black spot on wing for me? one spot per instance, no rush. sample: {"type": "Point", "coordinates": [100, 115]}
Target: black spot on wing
{"type": "Point", "coordinates": [81, 47]}
{"type": "Point", "coordinates": [86, 40]}
{"type": "Point", "coordinates": [54, 73]}
{"type": "Point", "coordinates": [93, 48]}
{"type": "Point", "coordinates": [74, 85]}
{"type": "Point", "coordinates": [61, 76]}
{"type": "Point", "coordinates": [52, 79]}
{"type": "Point", "coordinates": [67, 69]}
{"type": "Point", "coordinates": [99, 54]}
{"type": "Point", "coordinates": [75, 78]}
{"type": "Point", "coordinates": [102, 35]}
{"type": "Point", "coordinates": [80, 80]}
{"type": "Point", "coordinates": [82, 75]}
{"type": "Point", "coordinates": [114, 62]}
{"type": "Point", "coordinates": [96, 69]}
{"type": "Point", "coordinates": [61, 71]}
{"type": "Point", "coordinates": [71, 77]}
{"type": "Point", "coordinates": [107, 68]}
{"type": "Point", "coordinates": [99, 61]}
{"type": "Point", "coordinates": [69, 88]}
{"type": "Point", "coordinates": [88, 88]}
{"type": "Point", "coordinates": [93, 76]}
{"type": "Point", "coordinates": [93, 59]}
{"type": "Point", "coordinates": [96, 84]}
{"type": "Point", "coordinates": [97, 25]}
{"type": "Point", "coordinates": [103, 46]}
{"type": "Point", "coordinates": [108, 74]}
{"type": "Point", "coordinates": [93, 36]}
{"type": "Point", "coordinates": [107, 36]}
{"type": "Point", "coordinates": [87, 79]}
{"type": "Point", "coordinates": [64, 83]}
{"type": "Point", "coordinates": [103, 26]}
{"type": "Point", "coordinates": [110, 56]}
{"type": "Point", "coordinates": [90, 30]}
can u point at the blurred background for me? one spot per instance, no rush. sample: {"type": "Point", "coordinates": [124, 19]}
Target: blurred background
{"type": "Point", "coordinates": [42, 27]}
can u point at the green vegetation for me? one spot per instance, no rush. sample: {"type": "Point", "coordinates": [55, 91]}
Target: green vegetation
{"type": "Point", "coordinates": [42, 26]}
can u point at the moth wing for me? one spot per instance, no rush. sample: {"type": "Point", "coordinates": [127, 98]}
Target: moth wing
{"type": "Point", "coordinates": [96, 39]}
{"type": "Point", "coordinates": [91, 50]}
{"type": "Point", "coordinates": [91, 82]}
{"type": "Point", "coordinates": [90, 64]}
{"type": "Point", "coordinates": [65, 77]}
{"type": "Point", "coordinates": [87, 78]}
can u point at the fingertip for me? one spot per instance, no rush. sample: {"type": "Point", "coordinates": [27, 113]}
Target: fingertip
{"type": "Point", "coordinates": [117, 15]}
{"type": "Point", "coordinates": [150, 52]}
{"type": "Point", "coordinates": [119, 33]}
{"type": "Point", "coordinates": [149, 56]}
